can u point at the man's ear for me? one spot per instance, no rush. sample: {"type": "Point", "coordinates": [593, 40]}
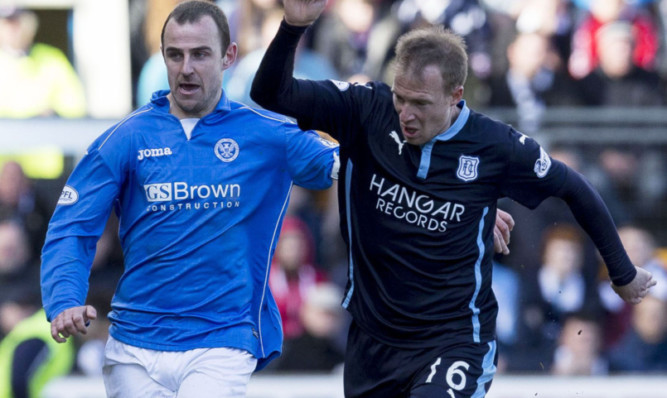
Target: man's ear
{"type": "Point", "coordinates": [457, 95]}
{"type": "Point", "coordinates": [230, 56]}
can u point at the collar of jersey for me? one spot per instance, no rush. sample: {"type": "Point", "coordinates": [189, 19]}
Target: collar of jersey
{"type": "Point", "coordinates": [425, 162]}
{"type": "Point", "coordinates": [456, 126]}
{"type": "Point", "coordinates": [160, 100]}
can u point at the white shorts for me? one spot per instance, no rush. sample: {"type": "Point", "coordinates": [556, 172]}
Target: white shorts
{"type": "Point", "coordinates": [205, 372]}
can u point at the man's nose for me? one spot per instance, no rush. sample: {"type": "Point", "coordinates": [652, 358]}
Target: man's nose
{"type": "Point", "coordinates": [405, 113]}
{"type": "Point", "coordinates": [187, 67]}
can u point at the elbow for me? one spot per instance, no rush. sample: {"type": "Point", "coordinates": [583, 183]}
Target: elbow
{"type": "Point", "coordinates": [261, 96]}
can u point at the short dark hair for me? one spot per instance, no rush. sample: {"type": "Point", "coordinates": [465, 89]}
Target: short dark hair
{"type": "Point", "coordinates": [433, 45]}
{"type": "Point", "coordinates": [192, 11]}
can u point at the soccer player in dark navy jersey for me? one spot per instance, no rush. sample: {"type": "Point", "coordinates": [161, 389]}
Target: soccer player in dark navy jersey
{"type": "Point", "coordinates": [420, 177]}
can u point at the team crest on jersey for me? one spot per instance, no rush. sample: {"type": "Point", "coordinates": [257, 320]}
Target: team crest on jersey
{"type": "Point", "coordinates": [543, 164]}
{"type": "Point", "coordinates": [226, 150]}
{"type": "Point", "coordinates": [468, 166]}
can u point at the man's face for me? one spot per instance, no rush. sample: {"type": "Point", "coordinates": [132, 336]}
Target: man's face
{"type": "Point", "coordinates": [423, 107]}
{"type": "Point", "coordinates": [194, 59]}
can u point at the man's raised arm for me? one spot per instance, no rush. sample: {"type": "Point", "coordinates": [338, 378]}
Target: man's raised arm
{"type": "Point", "coordinates": [274, 88]}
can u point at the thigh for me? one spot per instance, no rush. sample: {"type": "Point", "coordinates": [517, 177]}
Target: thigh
{"type": "Point", "coordinates": [132, 380]}
{"type": "Point", "coordinates": [125, 373]}
{"type": "Point", "coordinates": [464, 371]}
{"type": "Point", "coordinates": [217, 372]}
{"type": "Point", "coordinates": [373, 369]}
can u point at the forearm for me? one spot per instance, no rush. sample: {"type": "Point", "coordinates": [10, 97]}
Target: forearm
{"type": "Point", "coordinates": [273, 84]}
{"type": "Point", "coordinates": [592, 214]}
{"type": "Point", "coordinates": [65, 271]}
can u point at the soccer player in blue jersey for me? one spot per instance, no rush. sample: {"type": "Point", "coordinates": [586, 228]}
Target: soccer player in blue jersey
{"type": "Point", "coordinates": [200, 185]}
{"type": "Point", "coordinates": [421, 175]}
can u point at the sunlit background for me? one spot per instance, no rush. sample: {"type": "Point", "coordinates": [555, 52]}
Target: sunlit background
{"type": "Point", "coordinates": [586, 78]}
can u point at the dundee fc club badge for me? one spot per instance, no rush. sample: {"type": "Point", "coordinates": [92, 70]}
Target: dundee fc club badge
{"type": "Point", "coordinates": [226, 149]}
{"type": "Point", "coordinates": [467, 170]}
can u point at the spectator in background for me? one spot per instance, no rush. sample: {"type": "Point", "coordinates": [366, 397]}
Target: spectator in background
{"type": "Point", "coordinates": [248, 20]}
{"type": "Point", "coordinates": [16, 267]}
{"type": "Point", "coordinates": [533, 80]}
{"type": "Point", "coordinates": [308, 64]}
{"type": "Point", "coordinates": [37, 79]}
{"type": "Point", "coordinates": [560, 279]}
{"type": "Point", "coordinates": [617, 173]}
{"type": "Point", "coordinates": [642, 250]}
{"type": "Point", "coordinates": [152, 77]}
{"type": "Point", "coordinates": [586, 48]}
{"type": "Point", "coordinates": [20, 202]}
{"type": "Point", "coordinates": [555, 290]}
{"type": "Point", "coordinates": [146, 19]}
{"type": "Point", "coordinates": [343, 37]}
{"type": "Point", "coordinates": [30, 358]}
{"type": "Point", "coordinates": [315, 350]}
{"type": "Point", "coordinates": [550, 18]}
{"type": "Point", "coordinates": [644, 347]}
{"type": "Point", "coordinates": [616, 80]}
{"type": "Point", "coordinates": [465, 18]}
{"type": "Point", "coordinates": [579, 350]}
{"type": "Point", "coordinates": [293, 273]}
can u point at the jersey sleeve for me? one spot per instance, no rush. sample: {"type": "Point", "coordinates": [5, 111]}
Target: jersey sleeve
{"type": "Point", "coordinates": [312, 160]}
{"type": "Point", "coordinates": [592, 214]}
{"type": "Point", "coordinates": [75, 227]}
{"type": "Point", "coordinates": [532, 174]}
{"type": "Point", "coordinates": [314, 104]}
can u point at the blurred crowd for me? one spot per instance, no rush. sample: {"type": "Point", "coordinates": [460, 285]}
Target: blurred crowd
{"type": "Point", "coordinates": [528, 54]}
{"type": "Point", "coordinates": [558, 313]}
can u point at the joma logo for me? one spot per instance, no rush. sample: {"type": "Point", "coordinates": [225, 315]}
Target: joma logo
{"type": "Point", "coordinates": [153, 153]}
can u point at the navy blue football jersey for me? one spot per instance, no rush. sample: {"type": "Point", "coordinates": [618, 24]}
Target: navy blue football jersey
{"type": "Point", "coordinates": [419, 221]}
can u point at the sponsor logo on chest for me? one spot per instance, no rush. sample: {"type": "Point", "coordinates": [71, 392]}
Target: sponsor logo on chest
{"type": "Point", "coordinates": [154, 153]}
{"type": "Point", "coordinates": [414, 208]}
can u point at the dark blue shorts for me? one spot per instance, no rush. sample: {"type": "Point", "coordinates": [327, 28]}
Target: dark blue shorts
{"type": "Point", "coordinates": [376, 370]}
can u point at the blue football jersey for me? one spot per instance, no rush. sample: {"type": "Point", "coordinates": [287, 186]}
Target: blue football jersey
{"type": "Point", "coordinates": [199, 222]}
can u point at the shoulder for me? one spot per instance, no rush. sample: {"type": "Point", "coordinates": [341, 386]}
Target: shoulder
{"type": "Point", "coordinates": [137, 122]}
{"type": "Point", "coordinates": [261, 117]}
{"type": "Point", "coordinates": [493, 134]}
{"type": "Point", "coordinates": [491, 128]}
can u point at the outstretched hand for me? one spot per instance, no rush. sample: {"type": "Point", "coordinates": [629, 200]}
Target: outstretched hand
{"type": "Point", "coordinates": [636, 290]}
{"type": "Point", "coordinates": [501, 232]}
{"type": "Point", "coordinates": [72, 321]}
{"type": "Point", "coordinates": [303, 12]}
